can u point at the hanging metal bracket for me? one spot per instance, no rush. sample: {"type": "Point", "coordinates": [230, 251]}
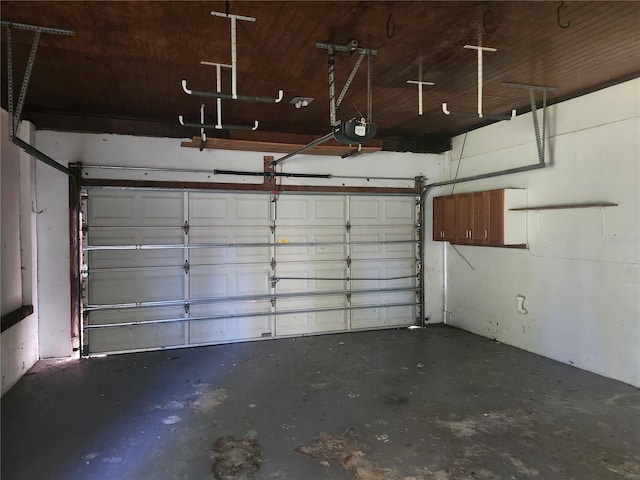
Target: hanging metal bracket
{"type": "Point", "coordinates": [15, 114]}
{"type": "Point", "coordinates": [540, 135]}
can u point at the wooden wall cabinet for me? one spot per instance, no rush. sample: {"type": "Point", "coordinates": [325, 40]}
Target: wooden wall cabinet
{"type": "Point", "coordinates": [481, 218]}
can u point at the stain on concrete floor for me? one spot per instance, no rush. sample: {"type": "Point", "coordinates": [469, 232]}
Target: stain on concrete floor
{"type": "Point", "coordinates": [236, 459]}
{"type": "Point", "coordinates": [347, 451]}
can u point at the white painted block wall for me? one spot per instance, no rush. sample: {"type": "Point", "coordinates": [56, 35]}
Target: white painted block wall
{"type": "Point", "coordinates": [19, 343]}
{"type": "Point", "coordinates": [581, 273]}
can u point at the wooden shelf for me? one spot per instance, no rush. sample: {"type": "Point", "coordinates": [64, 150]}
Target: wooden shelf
{"type": "Point", "coordinates": [567, 205]}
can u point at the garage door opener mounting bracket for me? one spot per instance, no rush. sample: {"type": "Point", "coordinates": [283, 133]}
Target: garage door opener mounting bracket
{"type": "Point", "coordinates": [352, 131]}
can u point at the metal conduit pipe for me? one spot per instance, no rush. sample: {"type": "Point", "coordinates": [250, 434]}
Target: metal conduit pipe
{"type": "Point", "coordinates": [318, 141]}
{"type": "Point", "coordinates": [276, 279]}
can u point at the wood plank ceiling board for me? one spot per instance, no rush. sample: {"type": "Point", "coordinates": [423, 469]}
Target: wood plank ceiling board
{"type": "Point", "coordinates": [122, 70]}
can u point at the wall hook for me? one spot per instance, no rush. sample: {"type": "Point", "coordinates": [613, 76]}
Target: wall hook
{"type": "Point", "coordinates": [485, 16]}
{"type": "Point", "coordinates": [560, 24]}
{"type": "Point", "coordinates": [391, 29]}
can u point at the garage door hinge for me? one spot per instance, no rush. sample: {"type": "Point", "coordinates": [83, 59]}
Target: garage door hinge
{"type": "Point", "coordinates": [273, 263]}
{"type": "Point", "coordinates": [273, 227]}
{"type": "Point", "coordinates": [348, 226]}
{"type": "Point", "coordinates": [186, 308]}
{"type": "Point", "coordinates": [186, 266]}
{"type": "Point", "coordinates": [185, 227]}
{"type": "Point", "coordinates": [349, 262]}
{"type": "Point", "coordinates": [273, 302]}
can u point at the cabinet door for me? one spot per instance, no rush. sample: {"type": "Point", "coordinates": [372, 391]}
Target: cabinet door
{"type": "Point", "coordinates": [444, 218]}
{"type": "Point", "coordinates": [479, 218]}
{"type": "Point", "coordinates": [464, 217]}
{"type": "Point", "coordinates": [438, 219]}
{"type": "Point", "coordinates": [494, 222]}
{"type": "Point", "coordinates": [449, 209]}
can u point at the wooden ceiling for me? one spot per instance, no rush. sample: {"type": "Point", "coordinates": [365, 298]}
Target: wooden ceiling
{"type": "Point", "coordinates": [122, 71]}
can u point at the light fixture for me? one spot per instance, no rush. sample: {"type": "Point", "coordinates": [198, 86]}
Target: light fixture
{"type": "Point", "coordinates": [300, 102]}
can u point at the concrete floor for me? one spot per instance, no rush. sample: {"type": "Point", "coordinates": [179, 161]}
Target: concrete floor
{"type": "Point", "coordinates": [431, 404]}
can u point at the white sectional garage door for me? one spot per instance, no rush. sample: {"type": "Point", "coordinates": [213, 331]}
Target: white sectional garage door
{"type": "Point", "coordinates": [166, 269]}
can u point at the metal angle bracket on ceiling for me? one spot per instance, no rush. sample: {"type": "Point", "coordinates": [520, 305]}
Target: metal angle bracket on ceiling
{"type": "Point", "coordinates": [480, 113]}
{"type": "Point", "coordinates": [234, 62]}
{"type": "Point", "coordinates": [15, 114]}
{"type": "Point", "coordinates": [352, 131]}
{"type": "Point", "coordinates": [540, 136]}
{"type": "Point", "coordinates": [540, 141]}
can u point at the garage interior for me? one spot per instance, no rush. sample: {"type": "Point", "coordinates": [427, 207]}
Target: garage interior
{"type": "Point", "coordinates": [370, 240]}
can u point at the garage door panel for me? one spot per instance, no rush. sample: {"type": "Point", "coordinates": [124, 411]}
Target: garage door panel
{"type": "Point", "coordinates": [207, 209]}
{"type": "Point", "coordinates": [312, 322]}
{"type": "Point", "coordinates": [135, 338]}
{"type": "Point", "coordinates": [382, 210]}
{"type": "Point", "coordinates": [234, 245]}
{"type": "Point", "coordinates": [306, 303]}
{"type": "Point", "coordinates": [311, 277]}
{"type": "Point", "coordinates": [316, 246]}
{"type": "Point", "coordinates": [383, 274]}
{"type": "Point", "coordinates": [231, 308]}
{"type": "Point", "coordinates": [378, 242]}
{"type": "Point", "coordinates": [310, 210]}
{"type": "Point", "coordinates": [382, 298]}
{"type": "Point", "coordinates": [139, 314]}
{"type": "Point", "coordinates": [132, 209]}
{"type": "Point", "coordinates": [135, 285]}
{"type": "Point", "coordinates": [383, 317]}
{"type": "Point", "coordinates": [229, 255]}
{"type": "Point", "coordinates": [229, 280]}
{"type": "Point", "coordinates": [135, 236]}
{"type": "Point", "coordinates": [230, 329]}
{"type": "Point", "coordinates": [135, 258]}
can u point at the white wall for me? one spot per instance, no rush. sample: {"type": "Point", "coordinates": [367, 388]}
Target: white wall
{"type": "Point", "coordinates": [19, 343]}
{"type": "Point", "coordinates": [118, 150]}
{"type": "Point", "coordinates": [581, 273]}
